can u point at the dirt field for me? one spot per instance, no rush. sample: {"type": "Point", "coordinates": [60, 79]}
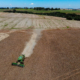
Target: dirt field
{"type": "Point", "coordinates": [51, 45]}
{"type": "Point", "coordinates": [29, 21]}
{"type": "Point", "coordinates": [56, 56]}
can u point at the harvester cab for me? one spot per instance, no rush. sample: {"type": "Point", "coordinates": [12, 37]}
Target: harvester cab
{"type": "Point", "coordinates": [20, 61]}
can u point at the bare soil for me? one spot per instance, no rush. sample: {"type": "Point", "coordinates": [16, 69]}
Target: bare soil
{"type": "Point", "coordinates": [10, 49]}
{"type": "Point", "coordinates": [3, 36]}
{"type": "Point", "coordinates": [56, 56]}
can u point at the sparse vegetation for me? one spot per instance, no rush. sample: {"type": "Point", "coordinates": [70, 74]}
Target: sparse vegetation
{"type": "Point", "coordinates": [68, 27]}
{"type": "Point", "coordinates": [15, 28]}
{"type": "Point", "coordinates": [39, 25]}
{"type": "Point", "coordinates": [12, 21]}
{"type": "Point", "coordinates": [5, 25]}
{"type": "Point", "coordinates": [30, 27]}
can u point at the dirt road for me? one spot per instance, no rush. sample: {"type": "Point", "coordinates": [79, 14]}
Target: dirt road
{"type": "Point", "coordinates": [56, 56]}
{"type": "Point", "coordinates": [28, 50]}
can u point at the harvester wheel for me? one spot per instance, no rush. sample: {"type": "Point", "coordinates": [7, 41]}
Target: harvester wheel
{"type": "Point", "coordinates": [22, 62]}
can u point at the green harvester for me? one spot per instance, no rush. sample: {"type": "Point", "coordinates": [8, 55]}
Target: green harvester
{"type": "Point", "coordinates": [20, 61]}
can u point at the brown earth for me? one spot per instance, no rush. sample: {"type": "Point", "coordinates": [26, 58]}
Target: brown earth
{"type": "Point", "coordinates": [55, 57]}
{"type": "Point", "coordinates": [10, 49]}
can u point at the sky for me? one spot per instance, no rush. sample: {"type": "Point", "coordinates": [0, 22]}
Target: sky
{"type": "Point", "coordinates": [41, 3]}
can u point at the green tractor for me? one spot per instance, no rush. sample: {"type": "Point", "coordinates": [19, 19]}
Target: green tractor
{"type": "Point", "coordinates": [20, 61]}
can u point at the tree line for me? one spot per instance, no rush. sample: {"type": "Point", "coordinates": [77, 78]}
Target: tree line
{"type": "Point", "coordinates": [68, 16]}
{"type": "Point", "coordinates": [35, 8]}
{"type": "Point", "coordinates": [42, 8]}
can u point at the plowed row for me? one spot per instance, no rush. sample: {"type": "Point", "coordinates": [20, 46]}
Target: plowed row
{"type": "Point", "coordinates": [29, 21]}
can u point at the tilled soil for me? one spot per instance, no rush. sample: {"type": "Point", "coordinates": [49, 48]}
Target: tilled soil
{"type": "Point", "coordinates": [10, 49]}
{"type": "Point", "coordinates": [56, 56]}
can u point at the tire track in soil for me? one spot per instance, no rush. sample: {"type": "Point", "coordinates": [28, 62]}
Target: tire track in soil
{"type": "Point", "coordinates": [53, 24]}
{"type": "Point", "coordinates": [29, 23]}
{"type": "Point", "coordinates": [37, 24]}
{"type": "Point", "coordinates": [26, 23]}
{"type": "Point", "coordinates": [43, 23]}
{"type": "Point", "coordinates": [13, 23]}
{"type": "Point", "coordinates": [4, 23]}
{"type": "Point", "coordinates": [3, 19]}
{"type": "Point", "coordinates": [20, 24]}
{"type": "Point", "coordinates": [56, 23]}
{"type": "Point", "coordinates": [61, 22]}
{"type": "Point", "coordinates": [67, 75]}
